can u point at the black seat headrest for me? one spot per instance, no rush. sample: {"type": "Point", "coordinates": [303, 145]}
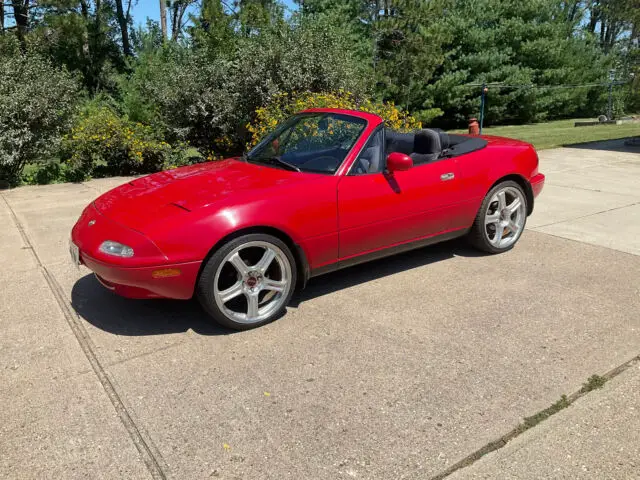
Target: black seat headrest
{"type": "Point", "coordinates": [427, 141]}
{"type": "Point", "coordinates": [445, 142]}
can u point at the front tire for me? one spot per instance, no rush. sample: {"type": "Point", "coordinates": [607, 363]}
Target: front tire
{"type": "Point", "coordinates": [248, 282]}
{"type": "Point", "coordinates": [501, 218]}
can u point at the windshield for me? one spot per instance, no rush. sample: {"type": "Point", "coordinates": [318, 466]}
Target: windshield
{"type": "Point", "coordinates": [309, 142]}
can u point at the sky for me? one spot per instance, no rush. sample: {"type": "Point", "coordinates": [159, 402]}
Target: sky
{"type": "Point", "coordinates": [144, 9]}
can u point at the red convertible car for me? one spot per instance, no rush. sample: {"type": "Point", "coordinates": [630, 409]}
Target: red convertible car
{"type": "Point", "coordinates": [326, 189]}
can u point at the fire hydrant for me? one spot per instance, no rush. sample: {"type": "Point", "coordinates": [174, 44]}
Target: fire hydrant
{"type": "Point", "coordinates": [474, 126]}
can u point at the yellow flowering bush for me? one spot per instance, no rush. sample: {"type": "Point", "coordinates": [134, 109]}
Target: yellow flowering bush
{"type": "Point", "coordinates": [104, 143]}
{"type": "Point", "coordinates": [284, 105]}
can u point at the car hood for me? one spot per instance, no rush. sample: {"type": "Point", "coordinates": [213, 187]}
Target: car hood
{"type": "Point", "coordinates": [142, 202]}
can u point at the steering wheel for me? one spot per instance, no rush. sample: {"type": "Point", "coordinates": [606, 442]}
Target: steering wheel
{"type": "Point", "coordinates": [325, 163]}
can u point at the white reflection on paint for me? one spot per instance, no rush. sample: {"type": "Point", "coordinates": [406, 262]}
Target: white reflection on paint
{"type": "Point", "coordinates": [230, 216]}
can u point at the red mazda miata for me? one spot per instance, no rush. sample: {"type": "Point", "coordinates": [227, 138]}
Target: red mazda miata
{"type": "Point", "coordinates": [326, 189]}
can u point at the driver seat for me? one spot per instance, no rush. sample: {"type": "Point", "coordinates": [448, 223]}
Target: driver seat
{"type": "Point", "coordinates": [370, 160]}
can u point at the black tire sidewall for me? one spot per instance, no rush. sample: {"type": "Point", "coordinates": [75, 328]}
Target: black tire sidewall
{"type": "Point", "coordinates": [206, 281]}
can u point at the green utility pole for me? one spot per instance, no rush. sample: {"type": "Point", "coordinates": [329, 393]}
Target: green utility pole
{"type": "Point", "coordinates": [482, 102]}
{"type": "Point", "coordinates": [612, 76]}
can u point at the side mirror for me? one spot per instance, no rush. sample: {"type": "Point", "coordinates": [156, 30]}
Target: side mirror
{"type": "Point", "coordinates": [398, 162]}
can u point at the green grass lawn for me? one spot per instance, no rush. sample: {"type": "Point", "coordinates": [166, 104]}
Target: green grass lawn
{"type": "Point", "coordinates": [561, 132]}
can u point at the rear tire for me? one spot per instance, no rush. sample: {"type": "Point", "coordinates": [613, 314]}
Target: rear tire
{"type": "Point", "coordinates": [248, 282]}
{"type": "Point", "coordinates": [501, 218]}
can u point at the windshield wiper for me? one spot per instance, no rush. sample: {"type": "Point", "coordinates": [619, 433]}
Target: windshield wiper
{"type": "Point", "coordinates": [275, 160]}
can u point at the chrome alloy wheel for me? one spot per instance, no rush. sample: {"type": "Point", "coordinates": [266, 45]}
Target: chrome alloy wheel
{"type": "Point", "coordinates": [505, 217]}
{"type": "Point", "coordinates": [252, 282]}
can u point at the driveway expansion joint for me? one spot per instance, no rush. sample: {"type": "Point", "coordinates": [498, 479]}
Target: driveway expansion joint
{"type": "Point", "coordinates": [585, 189]}
{"type": "Point", "coordinates": [145, 354]}
{"type": "Point", "coordinates": [91, 187]}
{"type": "Point", "coordinates": [585, 216]}
{"type": "Point", "coordinates": [148, 452]}
{"type": "Point", "coordinates": [566, 400]}
{"type": "Point", "coordinates": [596, 245]}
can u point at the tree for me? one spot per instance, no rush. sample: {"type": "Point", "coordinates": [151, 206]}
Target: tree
{"type": "Point", "coordinates": [123, 21]}
{"type": "Point", "coordinates": [409, 49]}
{"type": "Point", "coordinates": [254, 16]}
{"type": "Point", "coordinates": [613, 20]}
{"type": "Point", "coordinates": [84, 36]}
{"type": "Point", "coordinates": [353, 20]}
{"type": "Point", "coordinates": [36, 105]}
{"type": "Point", "coordinates": [178, 9]}
{"type": "Point", "coordinates": [207, 96]}
{"type": "Point", "coordinates": [163, 19]}
{"type": "Point", "coordinates": [520, 45]}
{"type": "Point", "coordinates": [21, 18]}
{"type": "Point", "coordinates": [399, 40]}
{"type": "Point", "coordinates": [213, 28]}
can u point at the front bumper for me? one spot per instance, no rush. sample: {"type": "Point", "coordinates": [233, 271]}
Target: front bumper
{"type": "Point", "coordinates": [145, 282]}
{"type": "Point", "coordinates": [148, 274]}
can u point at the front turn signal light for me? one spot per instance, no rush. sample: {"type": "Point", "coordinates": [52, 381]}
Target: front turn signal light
{"type": "Point", "coordinates": [166, 273]}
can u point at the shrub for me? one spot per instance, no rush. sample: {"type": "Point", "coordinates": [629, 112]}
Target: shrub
{"type": "Point", "coordinates": [103, 143]}
{"type": "Point", "coordinates": [284, 105]}
{"type": "Point", "coordinates": [182, 93]}
{"type": "Point", "coordinates": [43, 174]}
{"type": "Point", "coordinates": [205, 96]}
{"type": "Point", "coordinates": [36, 106]}
{"type": "Point", "coordinates": [53, 172]}
{"type": "Point", "coordinates": [182, 155]}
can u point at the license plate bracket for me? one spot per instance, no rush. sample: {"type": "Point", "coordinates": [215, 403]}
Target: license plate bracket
{"type": "Point", "coordinates": [74, 251]}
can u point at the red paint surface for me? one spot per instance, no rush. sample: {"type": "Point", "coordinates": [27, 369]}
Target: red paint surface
{"type": "Point", "coordinates": [175, 218]}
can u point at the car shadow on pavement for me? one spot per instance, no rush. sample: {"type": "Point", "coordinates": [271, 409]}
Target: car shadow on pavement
{"type": "Point", "coordinates": [348, 277]}
{"type": "Point", "coordinates": [120, 316]}
{"type": "Point", "coordinates": [623, 145]}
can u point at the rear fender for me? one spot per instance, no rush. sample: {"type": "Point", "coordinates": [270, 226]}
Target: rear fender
{"type": "Point", "coordinates": [483, 169]}
{"type": "Point", "coordinates": [522, 162]}
{"type": "Point", "coordinates": [520, 167]}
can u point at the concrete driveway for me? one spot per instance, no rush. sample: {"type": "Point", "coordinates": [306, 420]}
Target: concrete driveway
{"type": "Point", "coordinates": [412, 367]}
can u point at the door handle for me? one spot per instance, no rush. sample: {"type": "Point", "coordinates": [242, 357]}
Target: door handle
{"type": "Point", "coordinates": [447, 176]}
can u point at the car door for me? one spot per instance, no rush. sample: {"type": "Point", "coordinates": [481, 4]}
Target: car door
{"type": "Point", "coordinates": [377, 209]}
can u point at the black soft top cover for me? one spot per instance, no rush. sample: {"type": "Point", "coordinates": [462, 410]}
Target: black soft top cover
{"type": "Point", "coordinates": [431, 144]}
{"type": "Point", "coordinates": [460, 144]}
